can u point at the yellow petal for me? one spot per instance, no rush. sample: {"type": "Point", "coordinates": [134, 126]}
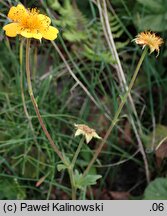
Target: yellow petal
{"type": "Point", "coordinates": [44, 19]}
{"type": "Point", "coordinates": [50, 33]}
{"type": "Point", "coordinates": [78, 132]}
{"type": "Point", "coordinates": [17, 13]}
{"type": "Point", "coordinates": [31, 34]}
{"type": "Point", "coordinates": [12, 29]}
{"type": "Point", "coordinates": [95, 135]}
{"type": "Point", "coordinates": [88, 138]}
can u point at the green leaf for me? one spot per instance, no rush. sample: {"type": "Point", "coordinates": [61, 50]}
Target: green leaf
{"type": "Point", "coordinates": [74, 36]}
{"type": "Point", "coordinates": [67, 160]}
{"type": "Point", "coordinates": [30, 170]}
{"type": "Point", "coordinates": [154, 17]}
{"type": "Point", "coordinates": [156, 190]}
{"type": "Point", "coordinates": [155, 137]}
{"type": "Point", "coordinates": [83, 181]}
{"type": "Point", "coordinates": [55, 5]}
{"type": "Point", "coordinates": [98, 56]}
{"type": "Point", "coordinates": [71, 20]}
{"type": "Point", "coordinates": [121, 45]}
{"type": "Point", "coordinates": [156, 6]}
{"type": "Point", "coordinates": [11, 189]}
{"type": "Point", "coordinates": [153, 22]}
{"type": "Point", "coordinates": [61, 167]}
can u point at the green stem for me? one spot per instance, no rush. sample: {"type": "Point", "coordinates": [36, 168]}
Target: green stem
{"type": "Point", "coordinates": [21, 85]}
{"type": "Point", "coordinates": [22, 90]}
{"type": "Point", "coordinates": [35, 103]}
{"type": "Point", "coordinates": [24, 103]}
{"type": "Point", "coordinates": [115, 119]}
{"type": "Point", "coordinates": [77, 151]}
{"type": "Point", "coordinates": [71, 169]}
{"type": "Point", "coordinates": [73, 188]}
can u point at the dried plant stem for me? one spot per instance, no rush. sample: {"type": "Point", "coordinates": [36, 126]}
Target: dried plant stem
{"type": "Point", "coordinates": [55, 148]}
{"type": "Point", "coordinates": [110, 40]}
{"type": "Point", "coordinates": [115, 119]}
{"type": "Point", "coordinates": [77, 80]}
{"type": "Point", "coordinates": [122, 80]}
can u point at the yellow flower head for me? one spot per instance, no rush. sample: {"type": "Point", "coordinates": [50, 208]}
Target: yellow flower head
{"type": "Point", "coordinates": [29, 24]}
{"type": "Point", "coordinates": [88, 132]}
{"type": "Point", "coordinates": [149, 39]}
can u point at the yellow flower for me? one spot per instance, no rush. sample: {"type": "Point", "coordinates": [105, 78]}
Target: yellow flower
{"type": "Point", "coordinates": [88, 132]}
{"type": "Point", "coordinates": [29, 24]}
{"type": "Point", "coordinates": [149, 39]}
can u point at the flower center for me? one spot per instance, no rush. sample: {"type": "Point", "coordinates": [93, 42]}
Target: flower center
{"type": "Point", "coordinates": [33, 21]}
{"type": "Point", "coordinates": [151, 41]}
{"type": "Point", "coordinates": [30, 20]}
{"type": "Point", "coordinates": [86, 129]}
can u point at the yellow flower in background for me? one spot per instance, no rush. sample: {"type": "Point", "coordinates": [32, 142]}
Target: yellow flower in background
{"type": "Point", "coordinates": [88, 132]}
{"type": "Point", "coordinates": [30, 24]}
{"type": "Point", "coordinates": [149, 39]}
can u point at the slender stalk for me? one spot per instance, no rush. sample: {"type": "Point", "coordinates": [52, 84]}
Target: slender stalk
{"type": "Point", "coordinates": [121, 76]}
{"type": "Point", "coordinates": [21, 85]}
{"type": "Point", "coordinates": [71, 169]}
{"type": "Point", "coordinates": [73, 188]}
{"type": "Point", "coordinates": [115, 119]}
{"type": "Point", "coordinates": [77, 151]}
{"type": "Point", "coordinates": [35, 103]}
{"type": "Point", "coordinates": [22, 91]}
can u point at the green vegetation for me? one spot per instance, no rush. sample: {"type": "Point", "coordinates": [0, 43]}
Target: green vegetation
{"type": "Point", "coordinates": [81, 78]}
